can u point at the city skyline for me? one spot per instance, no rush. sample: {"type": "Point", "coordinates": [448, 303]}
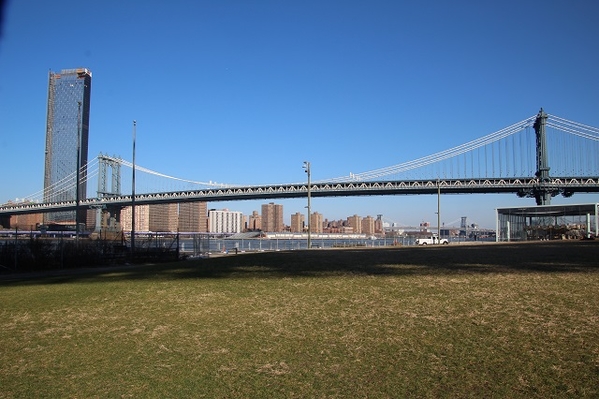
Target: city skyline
{"type": "Point", "coordinates": [347, 86]}
{"type": "Point", "coordinates": [196, 217]}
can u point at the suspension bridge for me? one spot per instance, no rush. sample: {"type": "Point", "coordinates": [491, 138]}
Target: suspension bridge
{"type": "Point", "coordinates": [514, 160]}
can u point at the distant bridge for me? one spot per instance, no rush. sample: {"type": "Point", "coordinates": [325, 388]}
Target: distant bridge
{"type": "Point", "coordinates": [512, 160]}
{"type": "Point", "coordinates": [520, 186]}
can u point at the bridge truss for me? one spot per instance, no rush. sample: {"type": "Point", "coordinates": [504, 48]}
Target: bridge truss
{"type": "Point", "coordinates": [520, 186]}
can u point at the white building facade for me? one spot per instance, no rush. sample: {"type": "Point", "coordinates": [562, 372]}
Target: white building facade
{"type": "Point", "coordinates": [225, 221]}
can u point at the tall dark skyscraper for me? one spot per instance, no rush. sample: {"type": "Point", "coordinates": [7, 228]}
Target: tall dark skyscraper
{"type": "Point", "coordinates": [67, 132]}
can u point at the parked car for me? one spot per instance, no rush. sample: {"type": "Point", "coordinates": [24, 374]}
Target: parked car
{"type": "Point", "coordinates": [431, 240]}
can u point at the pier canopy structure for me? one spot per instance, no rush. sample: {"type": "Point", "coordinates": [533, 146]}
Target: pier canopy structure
{"type": "Point", "coordinates": [548, 222]}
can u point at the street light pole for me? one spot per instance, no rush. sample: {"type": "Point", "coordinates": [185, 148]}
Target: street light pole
{"type": "Point", "coordinates": [133, 196]}
{"type": "Point", "coordinates": [307, 168]}
{"type": "Point", "coordinates": [438, 211]}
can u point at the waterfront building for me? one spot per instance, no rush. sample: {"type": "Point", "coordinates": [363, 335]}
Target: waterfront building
{"type": "Point", "coordinates": [193, 217]}
{"type": "Point", "coordinates": [332, 226]}
{"type": "Point", "coordinates": [379, 227]}
{"type": "Point", "coordinates": [26, 221]}
{"type": "Point", "coordinates": [224, 221]}
{"type": "Point", "coordinates": [163, 217]}
{"type": "Point", "coordinates": [355, 222]}
{"type": "Point", "coordinates": [186, 217]}
{"type": "Point", "coordinates": [67, 132]}
{"type": "Point", "coordinates": [297, 222]}
{"type": "Point", "coordinates": [93, 218]}
{"type": "Point", "coordinates": [20, 221]}
{"type": "Point", "coordinates": [368, 225]}
{"type": "Point", "coordinates": [316, 222]}
{"type": "Point", "coordinates": [254, 222]}
{"type": "Point", "coordinates": [142, 218]}
{"type": "Point", "coordinates": [272, 218]}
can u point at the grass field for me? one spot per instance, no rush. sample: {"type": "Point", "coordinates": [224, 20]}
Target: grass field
{"type": "Point", "coordinates": [495, 320]}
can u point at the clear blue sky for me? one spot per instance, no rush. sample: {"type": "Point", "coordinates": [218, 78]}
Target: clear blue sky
{"type": "Point", "coordinates": [245, 91]}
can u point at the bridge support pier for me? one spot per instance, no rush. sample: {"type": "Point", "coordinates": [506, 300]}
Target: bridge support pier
{"type": "Point", "coordinates": [543, 191]}
{"type": "Point", "coordinates": [108, 222]}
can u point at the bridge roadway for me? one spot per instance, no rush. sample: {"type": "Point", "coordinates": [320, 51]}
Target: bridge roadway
{"type": "Point", "coordinates": [522, 186]}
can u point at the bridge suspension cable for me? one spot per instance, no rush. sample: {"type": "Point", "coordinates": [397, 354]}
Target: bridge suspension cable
{"type": "Point", "coordinates": [158, 174]}
{"type": "Point", "coordinates": [440, 156]}
{"type": "Point", "coordinates": [575, 151]}
{"type": "Point", "coordinates": [575, 128]}
{"type": "Point", "coordinates": [66, 184]}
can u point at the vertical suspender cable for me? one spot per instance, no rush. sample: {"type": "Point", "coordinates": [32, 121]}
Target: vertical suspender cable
{"type": "Point", "coordinates": [580, 155]}
{"type": "Point", "coordinates": [520, 152]}
{"type": "Point", "coordinates": [572, 152]}
{"type": "Point", "coordinates": [467, 161]}
{"type": "Point", "coordinates": [486, 163]}
{"type": "Point", "coordinates": [529, 155]}
{"type": "Point", "coordinates": [493, 158]}
{"type": "Point", "coordinates": [588, 159]}
{"type": "Point", "coordinates": [575, 154]}
{"type": "Point", "coordinates": [554, 148]}
{"type": "Point", "coordinates": [473, 155]}
{"type": "Point", "coordinates": [500, 158]}
{"type": "Point", "coordinates": [514, 155]}
{"type": "Point", "coordinates": [478, 161]}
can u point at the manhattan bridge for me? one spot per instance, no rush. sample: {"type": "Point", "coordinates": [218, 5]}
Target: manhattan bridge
{"type": "Point", "coordinates": [539, 157]}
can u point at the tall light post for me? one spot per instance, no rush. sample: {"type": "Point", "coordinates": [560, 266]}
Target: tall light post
{"type": "Point", "coordinates": [438, 211]}
{"type": "Point", "coordinates": [133, 195]}
{"type": "Point", "coordinates": [307, 169]}
{"type": "Point", "coordinates": [78, 174]}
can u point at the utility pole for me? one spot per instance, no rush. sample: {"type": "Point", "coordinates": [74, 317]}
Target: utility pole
{"type": "Point", "coordinates": [307, 169]}
{"type": "Point", "coordinates": [438, 211]}
{"type": "Point", "coordinates": [133, 196]}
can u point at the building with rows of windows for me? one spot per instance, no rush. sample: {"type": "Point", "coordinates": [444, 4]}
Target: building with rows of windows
{"type": "Point", "coordinates": [67, 133]}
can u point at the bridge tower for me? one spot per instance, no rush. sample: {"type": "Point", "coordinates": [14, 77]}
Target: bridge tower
{"type": "Point", "coordinates": [115, 169]}
{"type": "Point", "coordinates": [108, 219]}
{"type": "Point", "coordinates": [543, 191]}
{"type": "Point", "coordinates": [464, 226]}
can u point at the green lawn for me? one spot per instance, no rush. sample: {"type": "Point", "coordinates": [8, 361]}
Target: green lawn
{"type": "Point", "coordinates": [505, 320]}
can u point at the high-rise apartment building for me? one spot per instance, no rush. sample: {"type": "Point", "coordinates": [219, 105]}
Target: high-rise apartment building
{"type": "Point", "coordinates": [272, 218]}
{"type": "Point", "coordinates": [254, 222]}
{"type": "Point", "coordinates": [193, 217]}
{"type": "Point", "coordinates": [164, 217]}
{"type": "Point", "coordinates": [368, 225]}
{"type": "Point", "coordinates": [316, 222]}
{"type": "Point", "coordinates": [297, 222]}
{"type": "Point", "coordinates": [142, 218]}
{"type": "Point", "coordinates": [379, 228]}
{"type": "Point", "coordinates": [355, 222]}
{"type": "Point", "coordinates": [67, 132]}
{"type": "Point", "coordinates": [186, 217]}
